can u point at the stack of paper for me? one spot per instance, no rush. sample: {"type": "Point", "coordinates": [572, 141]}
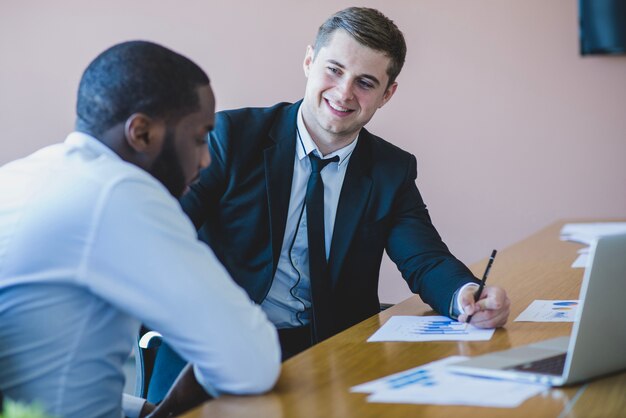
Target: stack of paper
{"type": "Point", "coordinates": [433, 384]}
{"type": "Point", "coordinates": [586, 233]}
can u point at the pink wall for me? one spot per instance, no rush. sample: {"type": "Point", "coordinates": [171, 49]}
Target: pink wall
{"type": "Point", "coordinates": [511, 127]}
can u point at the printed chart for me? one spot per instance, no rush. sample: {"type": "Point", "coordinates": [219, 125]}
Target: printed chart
{"type": "Point", "coordinates": [432, 383]}
{"type": "Point", "coordinates": [428, 328]}
{"type": "Point", "coordinates": [549, 311]}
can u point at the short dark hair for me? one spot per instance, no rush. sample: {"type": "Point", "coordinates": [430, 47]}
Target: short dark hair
{"type": "Point", "coordinates": [136, 76]}
{"type": "Point", "coordinates": [370, 28]}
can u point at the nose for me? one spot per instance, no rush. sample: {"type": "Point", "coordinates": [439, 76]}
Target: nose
{"type": "Point", "coordinates": [205, 157]}
{"type": "Point", "coordinates": [344, 88]}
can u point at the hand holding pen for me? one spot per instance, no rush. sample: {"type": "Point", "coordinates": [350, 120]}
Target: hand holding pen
{"type": "Point", "coordinates": [481, 287]}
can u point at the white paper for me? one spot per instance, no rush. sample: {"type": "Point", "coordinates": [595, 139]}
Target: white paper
{"type": "Point", "coordinates": [581, 261]}
{"type": "Point", "coordinates": [549, 311]}
{"type": "Point", "coordinates": [428, 328]}
{"type": "Point", "coordinates": [434, 384]}
{"type": "Point", "coordinates": [586, 233]}
{"type": "Point", "coordinates": [398, 380]}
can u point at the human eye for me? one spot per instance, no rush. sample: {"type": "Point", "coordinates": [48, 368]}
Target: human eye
{"type": "Point", "coordinates": [202, 140]}
{"type": "Point", "coordinates": [333, 70]}
{"type": "Point", "coordinates": [365, 84]}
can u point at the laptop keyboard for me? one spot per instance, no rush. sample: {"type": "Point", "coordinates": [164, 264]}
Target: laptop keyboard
{"type": "Point", "coordinates": [551, 365]}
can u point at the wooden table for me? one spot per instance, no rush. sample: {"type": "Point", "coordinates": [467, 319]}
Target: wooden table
{"type": "Point", "coordinates": [316, 383]}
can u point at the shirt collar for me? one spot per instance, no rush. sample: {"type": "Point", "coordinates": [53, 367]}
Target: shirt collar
{"type": "Point", "coordinates": [88, 142]}
{"type": "Point", "coordinates": [305, 144]}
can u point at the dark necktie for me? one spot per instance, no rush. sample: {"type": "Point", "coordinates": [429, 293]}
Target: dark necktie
{"type": "Point", "coordinates": [318, 266]}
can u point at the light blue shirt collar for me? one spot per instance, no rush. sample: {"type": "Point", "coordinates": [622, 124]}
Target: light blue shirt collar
{"type": "Point", "coordinates": [306, 145]}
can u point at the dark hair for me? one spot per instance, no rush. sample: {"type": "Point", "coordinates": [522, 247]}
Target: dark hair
{"type": "Point", "coordinates": [136, 76]}
{"type": "Point", "coordinates": [370, 28]}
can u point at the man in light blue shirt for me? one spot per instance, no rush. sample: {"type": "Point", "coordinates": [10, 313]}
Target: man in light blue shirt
{"type": "Point", "coordinates": [93, 242]}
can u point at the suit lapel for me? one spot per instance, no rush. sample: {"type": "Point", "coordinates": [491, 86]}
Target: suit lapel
{"type": "Point", "coordinates": [278, 160]}
{"type": "Point", "coordinates": [352, 202]}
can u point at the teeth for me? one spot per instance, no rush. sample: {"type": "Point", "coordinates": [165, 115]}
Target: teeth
{"type": "Point", "coordinates": [337, 107]}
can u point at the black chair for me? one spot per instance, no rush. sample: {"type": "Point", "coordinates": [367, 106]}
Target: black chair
{"type": "Point", "coordinates": [384, 306]}
{"type": "Point", "coordinates": [157, 366]}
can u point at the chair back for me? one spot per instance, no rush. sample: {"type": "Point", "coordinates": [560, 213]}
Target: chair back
{"type": "Point", "coordinates": [157, 366]}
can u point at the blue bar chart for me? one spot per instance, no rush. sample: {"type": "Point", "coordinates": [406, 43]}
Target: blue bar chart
{"type": "Point", "coordinates": [428, 328]}
{"type": "Point", "coordinates": [445, 327]}
{"type": "Point", "coordinates": [549, 311]}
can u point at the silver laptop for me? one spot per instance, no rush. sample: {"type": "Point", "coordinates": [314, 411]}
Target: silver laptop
{"type": "Point", "coordinates": [597, 345]}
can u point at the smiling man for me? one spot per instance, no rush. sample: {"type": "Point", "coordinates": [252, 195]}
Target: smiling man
{"type": "Point", "coordinates": [93, 242]}
{"type": "Point", "coordinates": [301, 200]}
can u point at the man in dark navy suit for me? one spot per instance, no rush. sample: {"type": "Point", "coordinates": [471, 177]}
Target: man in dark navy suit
{"type": "Point", "coordinates": [313, 266]}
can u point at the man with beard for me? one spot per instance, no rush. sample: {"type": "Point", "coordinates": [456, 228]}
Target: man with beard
{"type": "Point", "coordinates": [93, 242]}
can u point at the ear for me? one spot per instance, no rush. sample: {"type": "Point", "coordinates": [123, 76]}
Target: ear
{"type": "Point", "coordinates": [388, 94]}
{"type": "Point", "coordinates": [308, 60]}
{"type": "Point", "coordinates": [143, 134]}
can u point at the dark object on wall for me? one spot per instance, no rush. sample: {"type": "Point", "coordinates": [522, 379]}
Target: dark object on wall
{"type": "Point", "coordinates": [602, 26]}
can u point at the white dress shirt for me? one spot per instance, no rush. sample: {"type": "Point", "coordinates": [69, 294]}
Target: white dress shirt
{"type": "Point", "coordinates": [90, 247]}
{"type": "Point", "coordinates": [289, 299]}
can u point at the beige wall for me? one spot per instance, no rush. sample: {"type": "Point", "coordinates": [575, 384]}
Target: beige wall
{"type": "Point", "coordinates": [511, 127]}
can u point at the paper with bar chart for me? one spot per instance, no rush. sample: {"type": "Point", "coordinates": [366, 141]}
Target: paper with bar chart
{"type": "Point", "coordinates": [428, 328]}
{"type": "Point", "coordinates": [432, 383]}
{"type": "Point", "coordinates": [549, 311]}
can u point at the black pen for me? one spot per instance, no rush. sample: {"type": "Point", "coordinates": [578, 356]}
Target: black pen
{"type": "Point", "coordinates": [482, 282]}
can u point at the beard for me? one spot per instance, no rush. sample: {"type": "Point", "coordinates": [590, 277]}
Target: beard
{"type": "Point", "coordinates": [167, 168]}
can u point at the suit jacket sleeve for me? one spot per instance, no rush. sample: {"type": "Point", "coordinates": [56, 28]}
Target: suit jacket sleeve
{"type": "Point", "coordinates": [415, 246]}
{"type": "Point", "coordinates": [200, 203]}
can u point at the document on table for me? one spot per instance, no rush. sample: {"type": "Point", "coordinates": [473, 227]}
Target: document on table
{"type": "Point", "coordinates": [549, 311]}
{"type": "Point", "coordinates": [433, 384]}
{"type": "Point", "coordinates": [585, 233]}
{"type": "Point", "coordinates": [428, 328]}
{"type": "Point", "coordinates": [581, 260]}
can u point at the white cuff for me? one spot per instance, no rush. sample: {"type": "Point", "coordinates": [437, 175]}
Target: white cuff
{"type": "Point", "coordinates": [132, 405]}
{"type": "Point", "coordinates": [459, 308]}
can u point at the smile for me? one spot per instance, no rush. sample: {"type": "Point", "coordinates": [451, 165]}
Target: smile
{"type": "Point", "coordinates": [340, 110]}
